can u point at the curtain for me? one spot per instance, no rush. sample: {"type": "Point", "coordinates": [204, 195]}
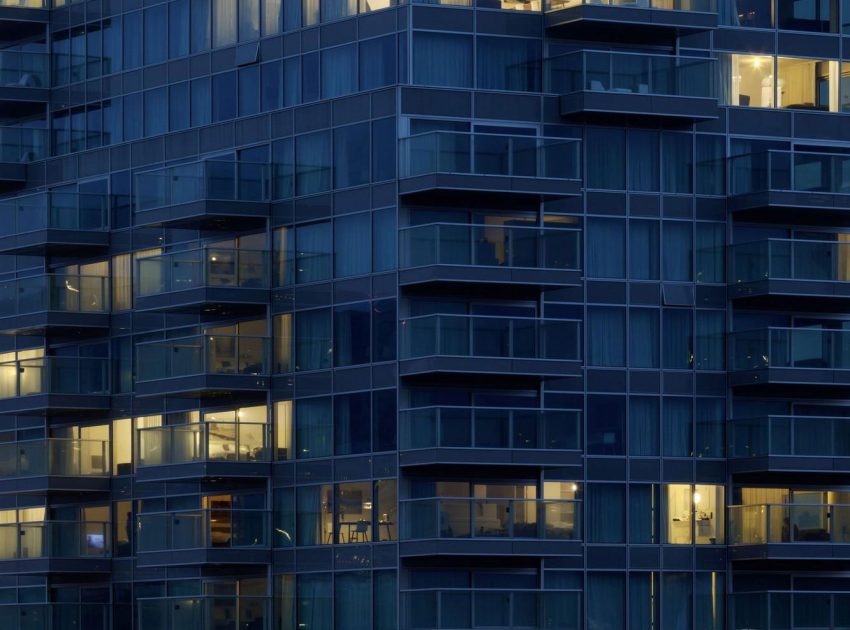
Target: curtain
{"type": "Point", "coordinates": [313, 163]}
{"type": "Point", "coordinates": [643, 338]}
{"type": "Point", "coordinates": [710, 425]}
{"type": "Point", "coordinates": [642, 604]}
{"type": "Point", "coordinates": [676, 600]}
{"type": "Point", "coordinates": [339, 71]}
{"type": "Point", "coordinates": [606, 513]}
{"type": "Point", "coordinates": [351, 334]}
{"type": "Point", "coordinates": [676, 339]}
{"type": "Point", "coordinates": [677, 250]}
{"type": "Point", "coordinates": [710, 252]}
{"type": "Point", "coordinates": [643, 520]}
{"type": "Point", "coordinates": [224, 23]}
{"type": "Point", "coordinates": [313, 340]}
{"type": "Point", "coordinates": [200, 25]}
{"type": "Point", "coordinates": [676, 427]}
{"type": "Point", "coordinates": [352, 424]}
{"type": "Point", "coordinates": [606, 248]}
{"type": "Point", "coordinates": [606, 331]}
{"type": "Point", "coordinates": [353, 600]}
{"type": "Point", "coordinates": [643, 425]}
{"type": "Point", "coordinates": [132, 40]}
{"type": "Point", "coordinates": [313, 252]}
{"type": "Point", "coordinates": [385, 587]}
{"type": "Point", "coordinates": [249, 19]}
{"type": "Point", "coordinates": [337, 9]}
{"type": "Point", "coordinates": [711, 164]}
{"type": "Point", "coordinates": [377, 62]}
{"type": "Point", "coordinates": [643, 160]}
{"type": "Point", "coordinates": [606, 158]}
{"type": "Point", "coordinates": [677, 161]}
{"type": "Point", "coordinates": [709, 601]}
{"type": "Point", "coordinates": [644, 247]}
{"type": "Point", "coordinates": [710, 340]}
{"type": "Point", "coordinates": [442, 59]}
{"type": "Point", "coordinates": [509, 63]}
{"type": "Point", "coordinates": [606, 601]}
{"type": "Point", "coordinates": [351, 157]}
{"type": "Point", "coordinates": [315, 602]}
{"type": "Point", "coordinates": [313, 427]}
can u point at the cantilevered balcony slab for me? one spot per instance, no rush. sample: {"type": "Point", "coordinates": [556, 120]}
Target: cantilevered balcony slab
{"type": "Point", "coordinates": [208, 194]}
{"type": "Point", "coordinates": [203, 365]}
{"type": "Point", "coordinates": [446, 164]}
{"type": "Point", "coordinates": [54, 385]}
{"type": "Point", "coordinates": [660, 86]}
{"type": "Point", "coordinates": [54, 303]}
{"type": "Point", "coordinates": [471, 344]}
{"type": "Point", "coordinates": [54, 465]}
{"type": "Point", "coordinates": [455, 253]}
{"type": "Point", "coordinates": [54, 223]}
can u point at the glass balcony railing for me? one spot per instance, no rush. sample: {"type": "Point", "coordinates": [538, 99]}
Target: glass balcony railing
{"type": "Point", "coordinates": [789, 171]}
{"type": "Point", "coordinates": [204, 442]}
{"type": "Point", "coordinates": [54, 210]}
{"type": "Point", "coordinates": [630, 73]}
{"type": "Point", "coordinates": [55, 539]}
{"type": "Point", "coordinates": [54, 375]}
{"type": "Point", "coordinates": [494, 337]}
{"type": "Point", "coordinates": [202, 529]}
{"type": "Point", "coordinates": [202, 354]}
{"type": "Point", "coordinates": [489, 246]}
{"type": "Point", "coordinates": [700, 6]}
{"type": "Point", "coordinates": [207, 267]}
{"type": "Point", "coordinates": [91, 616]}
{"type": "Point", "coordinates": [482, 427]}
{"type": "Point", "coordinates": [788, 523]}
{"type": "Point", "coordinates": [218, 612]}
{"type": "Point", "coordinates": [64, 457]}
{"type": "Point", "coordinates": [789, 348]}
{"type": "Point", "coordinates": [555, 519]}
{"type": "Point", "coordinates": [50, 292]}
{"type": "Point", "coordinates": [789, 259]}
{"type": "Point", "coordinates": [787, 610]}
{"type": "Point", "coordinates": [21, 145]}
{"type": "Point", "coordinates": [790, 436]}
{"type": "Point", "coordinates": [209, 180]}
{"type": "Point", "coordinates": [455, 153]}
{"type": "Point", "coordinates": [24, 4]}
{"type": "Point", "coordinates": [435, 609]}
{"type": "Point", "coordinates": [24, 69]}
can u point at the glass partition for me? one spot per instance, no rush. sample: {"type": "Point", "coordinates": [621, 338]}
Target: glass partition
{"type": "Point", "coordinates": [202, 354]}
{"type": "Point", "coordinates": [49, 292]}
{"type": "Point", "coordinates": [207, 180]}
{"type": "Point", "coordinates": [44, 616]}
{"type": "Point", "coordinates": [483, 336]}
{"type": "Point", "coordinates": [489, 154]}
{"type": "Point", "coordinates": [54, 375]}
{"type": "Point", "coordinates": [790, 259]}
{"type": "Point", "coordinates": [24, 69]}
{"type": "Point", "coordinates": [629, 73]}
{"type": "Point", "coordinates": [786, 610]}
{"type": "Point", "coordinates": [790, 348]}
{"type": "Point", "coordinates": [200, 529]}
{"type": "Point", "coordinates": [789, 523]}
{"type": "Point", "coordinates": [55, 539]}
{"type": "Point", "coordinates": [790, 436]}
{"type": "Point", "coordinates": [205, 441]}
{"type": "Point", "coordinates": [489, 246]}
{"type": "Point", "coordinates": [702, 6]}
{"type": "Point", "coordinates": [207, 267]}
{"type": "Point", "coordinates": [482, 427]}
{"type": "Point", "coordinates": [66, 457]}
{"type": "Point", "coordinates": [219, 611]}
{"type": "Point", "coordinates": [54, 210]}
{"type": "Point", "coordinates": [21, 145]}
{"type": "Point", "coordinates": [789, 171]}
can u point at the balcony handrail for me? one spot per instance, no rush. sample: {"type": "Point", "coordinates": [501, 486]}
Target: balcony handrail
{"type": "Point", "coordinates": [201, 536]}
{"type": "Point", "coordinates": [45, 202]}
{"type": "Point", "coordinates": [617, 53]}
{"type": "Point", "coordinates": [764, 254]}
{"type": "Point", "coordinates": [91, 295]}
{"type": "Point", "coordinates": [771, 504]}
{"type": "Point", "coordinates": [46, 381]}
{"type": "Point", "coordinates": [764, 174]}
{"type": "Point", "coordinates": [501, 318]}
{"type": "Point", "coordinates": [487, 499]}
{"type": "Point", "coordinates": [202, 364]}
{"type": "Point", "coordinates": [200, 448]}
{"type": "Point", "coordinates": [537, 228]}
{"type": "Point", "coordinates": [82, 529]}
{"type": "Point", "coordinates": [32, 469]}
{"type": "Point", "coordinates": [558, 5]}
{"type": "Point", "coordinates": [485, 134]}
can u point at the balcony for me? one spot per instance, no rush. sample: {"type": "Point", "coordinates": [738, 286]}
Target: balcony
{"type": "Point", "coordinates": [55, 546]}
{"type": "Point", "coordinates": [789, 531]}
{"type": "Point", "coordinates": [206, 280]}
{"type": "Point", "coordinates": [202, 450]}
{"type": "Point", "coordinates": [18, 147]}
{"type": "Point", "coordinates": [787, 610]}
{"type": "Point", "coordinates": [203, 537]}
{"type": "Point", "coordinates": [24, 83]}
{"type": "Point", "coordinates": [23, 19]}
{"type": "Point", "coordinates": [470, 435]}
{"type": "Point", "coordinates": [445, 164]}
{"type": "Point", "coordinates": [490, 526]}
{"type": "Point", "coordinates": [760, 183]}
{"type": "Point", "coordinates": [54, 464]}
{"type": "Point", "coordinates": [203, 364]}
{"type": "Point", "coordinates": [813, 358]}
{"type": "Point", "coordinates": [54, 303]}
{"type": "Point", "coordinates": [54, 385]}
{"type": "Point", "coordinates": [435, 609]}
{"type": "Point", "coordinates": [677, 87]}
{"type": "Point", "coordinates": [445, 343]}
{"type": "Point", "coordinates": [180, 613]}
{"type": "Point", "coordinates": [44, 616]}
{"type": "Point", "coordinates": [210, 194]}
{"type": "Point", "coordinates": [54, 222]}
{"type": "Point", "coordinates": [633, 20]}
{"type": "Point", "coordinates": [494, 254]}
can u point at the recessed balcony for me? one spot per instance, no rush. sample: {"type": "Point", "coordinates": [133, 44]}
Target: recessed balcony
{"type": "Point", "coordinates": [789, 610]}
{"type": "Point", "coordinates": [206, 536]}
{"type": "Point", "coordinates": [54, 222]}
{"type": "Point", "coordinates": [809, 358]}
{"type": "Point", "coordinates": [202, 450]}
{"type": "Point", "coordinates": [667, 86]}
{"type": "Point", "coordinates": [23, 19]}
{"type": "Point", "coordinates": [482, 435]}
{"type": "Point", "coordinates": [447, 164]}
{"type": "Point", "coordinates": [209, 194]}
{"type": "Point", "coordinates": [444, 343]}
{"type": "Point", "coordinates": [203, 365]}
{"type": "Point", "coordinates": [435, 609]}
{"type": "Point", "coordinates": [24, 83]}
{"type": "Point", "coordinates": [54, 303]}
{"type": "Point", "coordinates": [436, 526]}
{"type": "Point", "coordinates": [182, 612]}
{"type": "Point", "coordinates": [55, 546]}
{"type": "Point", "coordinates": [789, 531]}
{"type": "Point", "coordinates": [633, 20]}
{"type": "Point", "coordinates": [54, 464]}
{"type": "Point", "coordinates": [18, 147]}
{"type": "Point", "coordinates": [762, 183]}
{"type": "Point", "coordinates": [54, 385]}
{"type": "Point", "coordinates": [207, 280]}
{"type": "Point", "coordinates": [494, 254]}
{"type": "Point", "coordinates": [815, 274]}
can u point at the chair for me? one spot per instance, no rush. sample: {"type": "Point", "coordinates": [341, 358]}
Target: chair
{"type": "Point", "coordinates": [360, 532]}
